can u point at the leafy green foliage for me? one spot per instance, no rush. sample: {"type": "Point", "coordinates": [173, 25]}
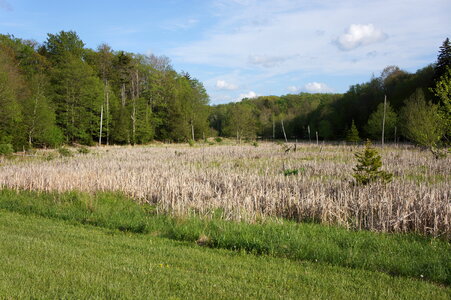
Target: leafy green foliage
{"type": "Point", "coordinates": [422, 121]}
{"type": "Point", "coordinates": [64, 152]}
{"type": "Point", "coordinates": [65, 93]}
{"type": "Point", "coordinates": [240, 122]}
{"type": "Point", "coordinates": [289, 172]}
{"type": "Point", "coordinates": [442, 90]}
{"type": "Point", "coordinates": [374, 125]}
{"type": "Point", "coordinates": [6, 149]}
{"type": "Point", "coordinates": [368, 165]}
{"type": "Point", "coordinates": [83, 150]}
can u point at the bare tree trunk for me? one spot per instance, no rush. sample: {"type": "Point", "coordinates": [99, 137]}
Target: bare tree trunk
{"type": "Point", "coordinates": [107, 113]}
{"type": "Point", "coordinates": [317, 142]}
{"type": "Point", "coordinates": [101, 122]}
{"type": "Point", "coordinates": [134, 122]}
{"type": "Point", "coordinates": [192, 130]}
{"type": "Point", "coordinates": [133, 116]}
{"type": "Point", "coordinates": [273, 128]}
{"type": "Point", "coordinates": [137, 84]}
{"type": "Point", "coordinates": [123, 94]}
{"type": "Point", "coordinates": [383, 120]}
{"type": "Point", "coordinates": [284, 134]}
{"type": "Point", "coordinates": [396, 142]}
{"type": "Point", "coordinates": [33, 124]}
{"type": "Point", "coordinates": [309, 138]}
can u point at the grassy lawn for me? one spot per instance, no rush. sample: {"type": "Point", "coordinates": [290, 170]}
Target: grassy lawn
{"type": "Point", "coordinates": [49, 258]}
{"type": "Point", "coordinates": [395, 254]}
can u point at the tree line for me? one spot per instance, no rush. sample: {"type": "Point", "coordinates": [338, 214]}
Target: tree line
{"type": "Point", "coordinates": [60, 92]}
{"type": "Point", "coordinates": [417, 108]}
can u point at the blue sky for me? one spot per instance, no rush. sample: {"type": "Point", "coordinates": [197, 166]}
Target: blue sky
{"type": "Point", "coordinates": [241, 48]}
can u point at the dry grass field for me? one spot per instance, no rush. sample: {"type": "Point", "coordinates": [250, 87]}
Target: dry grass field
{"type": "Point", "coordinates": [243, 182]}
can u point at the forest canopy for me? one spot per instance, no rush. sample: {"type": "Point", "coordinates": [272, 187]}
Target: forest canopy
{"type": "Point", "coordinates": [60, 92]}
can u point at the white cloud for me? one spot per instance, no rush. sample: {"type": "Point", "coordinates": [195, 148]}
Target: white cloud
{"type": "Point", "coordinates": [267, 61]}
{"type": "Point", "coordinates": [293, 89]}
{"type": "Point", "coordinates": [360, 35]}
{"type": "Point", "coordinates": [224, 85]}
{"type": "Point", "coordinates": [250, 94]}
{"type": "Point", "coordinates": [272, 42]}
{"type": "Point", "coordinates": [317, 87]}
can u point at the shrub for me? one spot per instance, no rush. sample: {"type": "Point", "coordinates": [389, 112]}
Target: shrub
{"type": "Point", "coordinates": [50, 156]}
{"type": "Point", "coordinates": [65, 152]}
{"type": "Point", "coordinates": [368, 165]}
{"type": "Point", "coordinates": [289, 172]}
{"type": "Point", "coordinates": [255, 144]}
{"type": "Point", "coordinates": [6, 149]}
{"type": "Point", "coordinates": [191, 143]}
{"type": "Point", "coordinates": [218, 140]}
{"type": "Point", "coordinates": [83, 150]}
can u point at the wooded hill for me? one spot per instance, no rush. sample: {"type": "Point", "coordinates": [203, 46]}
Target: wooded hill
{"type": "Point", "coordinates": [60, 92]}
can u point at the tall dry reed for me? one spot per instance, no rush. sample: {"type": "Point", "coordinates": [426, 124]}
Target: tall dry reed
{"type": "Point", "coordinates": [247, 183]}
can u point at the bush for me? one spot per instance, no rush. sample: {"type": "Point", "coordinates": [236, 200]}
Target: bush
{"type": "Point", "coordinates": [218, 140]}
{"type": "Point", "coordinates": [65, 152]}
{"type": "Point", "coordinates": [83, 150]}
{"type": "Point", "coordinates": [50, 156]}
{"type": "Point", "coordinates": [289, 172]}
{"type": "Point", "coordinates": [367, 168]}
{"type": "Point", "coordinates": [6, 149]}
{"type": "Point", "coordinates": [255, 144]}
{"type": "Point", "coordinates": [191, 143]}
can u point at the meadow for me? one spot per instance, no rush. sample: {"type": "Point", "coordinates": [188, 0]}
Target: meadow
{"type": "Point", "coordinates": [251, 183]}
{"type": "Point", "coordinates": [220, 220]}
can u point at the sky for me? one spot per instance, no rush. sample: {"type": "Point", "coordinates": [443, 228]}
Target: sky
{"type": "Point", "coordinates": [249, 48]}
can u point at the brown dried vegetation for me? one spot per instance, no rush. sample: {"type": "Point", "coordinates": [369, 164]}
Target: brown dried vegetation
{"type": "Point", "coordinates": [248, 183]}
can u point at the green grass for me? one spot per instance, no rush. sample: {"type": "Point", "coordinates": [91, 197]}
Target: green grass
{"type": "Point", "coordinates": [394, 254]}
{"type": "Point", "coordinates": [47, 258]}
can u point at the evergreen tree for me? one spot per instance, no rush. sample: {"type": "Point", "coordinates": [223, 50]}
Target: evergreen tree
{"type": "Point", "coordinates": [77, 92]}
{"type": "Point", "coordinates": [443, 59]}
{"type": "Point", "coordinates": [352, 135]}
{"type": "Point", "coordinates": [120, 128]}
{"type": "Point", "coordinates": [368, 165]}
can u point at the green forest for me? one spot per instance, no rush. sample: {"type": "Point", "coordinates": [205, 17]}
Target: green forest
{"type": "Point", "coordinates": [60, 92]}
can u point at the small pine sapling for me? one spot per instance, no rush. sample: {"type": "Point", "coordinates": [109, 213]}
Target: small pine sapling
{"type": "Point", "coordinates": [352, 135]}
{"type": "Point", "coordinates": [368, 165]}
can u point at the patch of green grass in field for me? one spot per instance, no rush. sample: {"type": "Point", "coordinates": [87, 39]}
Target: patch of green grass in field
{"type": "Point", "coordinates": [45, 258]}
{"type": "Point", "coordinates": [395, 254]}
{"type": "Point", "coordinates": [104, 209]}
